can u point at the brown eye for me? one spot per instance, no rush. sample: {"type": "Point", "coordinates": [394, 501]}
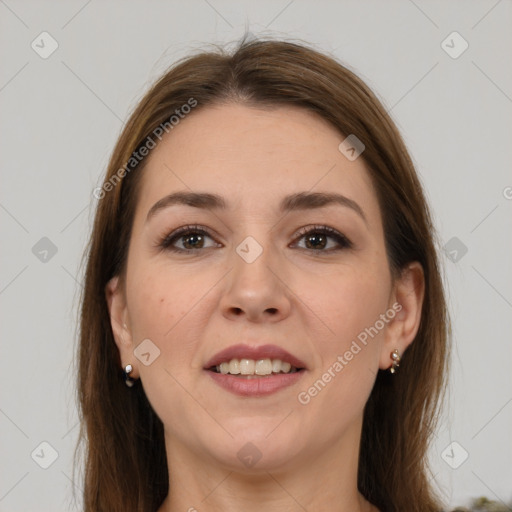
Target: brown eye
{"type": "Point", "coordinates": [193, 241]}
{"type": "Point", "coordinates": [188, 239]}
{"type": "Point", "coordinates": [316, 241]}
{"type": "Point", "coordinates": [323, 239]}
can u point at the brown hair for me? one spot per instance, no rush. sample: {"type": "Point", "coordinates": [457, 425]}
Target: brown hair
{"type": "Point", "coordinates": [125, 463]}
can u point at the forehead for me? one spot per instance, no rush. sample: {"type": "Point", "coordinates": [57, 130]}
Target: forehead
{"type": "Point", "coordinates": [253, 157]}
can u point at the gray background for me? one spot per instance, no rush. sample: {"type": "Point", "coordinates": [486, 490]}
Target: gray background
{"type": "Point", "coordinates": [61, 115]}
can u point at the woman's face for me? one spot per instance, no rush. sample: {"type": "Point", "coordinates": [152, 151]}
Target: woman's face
{"type": "Point", "coordinates": [259, 271]}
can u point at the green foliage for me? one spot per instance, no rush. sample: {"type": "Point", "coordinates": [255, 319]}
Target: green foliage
{"type": "Point", "coordinates": [485, 505]}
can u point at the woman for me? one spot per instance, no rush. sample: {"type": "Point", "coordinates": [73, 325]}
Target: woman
{"type": "Point", "coordinates": [263, 321]}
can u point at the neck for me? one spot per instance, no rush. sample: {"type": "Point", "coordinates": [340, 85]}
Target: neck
{"type": "Point", "coordinates": [324, 481]}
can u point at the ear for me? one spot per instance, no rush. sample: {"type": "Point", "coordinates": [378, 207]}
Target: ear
{"type": "Point", "coordinates": [119, 320]}
{"type": "Point", "coordinates": [406, 301]}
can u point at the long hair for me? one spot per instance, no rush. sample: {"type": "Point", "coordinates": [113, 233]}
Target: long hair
{"type": "Point", "coordinates": [124, 452]}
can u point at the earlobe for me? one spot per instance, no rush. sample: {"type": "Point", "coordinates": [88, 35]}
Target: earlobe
{"type": "Point", "coordinates": [407, 302]}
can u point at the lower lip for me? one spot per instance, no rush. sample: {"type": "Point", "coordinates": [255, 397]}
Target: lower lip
{"type": "Point", "coordinates": [257, 386]}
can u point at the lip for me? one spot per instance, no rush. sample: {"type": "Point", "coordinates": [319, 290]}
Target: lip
{"type": "Point", "coordinates": [247, 352]}
{"type": "Point", "coordinates": [257, 386]}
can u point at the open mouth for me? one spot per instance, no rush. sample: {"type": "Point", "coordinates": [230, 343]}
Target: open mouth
{"type": "Point", "coordinates": [254, 368]}
{"type": "Point", "coordinates": [255, 377]}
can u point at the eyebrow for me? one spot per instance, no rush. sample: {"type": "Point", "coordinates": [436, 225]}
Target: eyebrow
{"type": "Point", "coordinates": [292, 202]}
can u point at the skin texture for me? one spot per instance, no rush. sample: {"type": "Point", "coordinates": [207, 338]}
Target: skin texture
{"type": "Point", "coordinates": [313, 304]}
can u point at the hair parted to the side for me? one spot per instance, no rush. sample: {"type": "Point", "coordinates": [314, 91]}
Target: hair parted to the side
{"type": "Point", "coordinates": [125, 462]}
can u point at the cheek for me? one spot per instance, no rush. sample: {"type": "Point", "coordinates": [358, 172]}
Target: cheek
{"type": "Point", "coordinates": [350, 304]}
{"type": "Point", "coordinates": [347, 301]}
{"type": "Point", "coordinates": [333, 397]}
{"type": "Point", "coordinates": [162, 309]}
{"type": "Point", "coordinates": [154, 308]}
{"type": "Point", "coordinates": [171, 307]}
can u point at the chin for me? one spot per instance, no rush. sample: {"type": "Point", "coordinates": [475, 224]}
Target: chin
{"type": "Point", "coordinates": [253, 451]}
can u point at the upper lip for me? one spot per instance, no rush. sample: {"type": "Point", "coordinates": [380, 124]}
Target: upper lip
{"type": "Point", "coordinates": [250, 352]}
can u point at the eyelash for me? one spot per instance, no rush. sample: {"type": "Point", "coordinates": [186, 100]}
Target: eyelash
{"type": "Point", "coordinates": [166, 242]}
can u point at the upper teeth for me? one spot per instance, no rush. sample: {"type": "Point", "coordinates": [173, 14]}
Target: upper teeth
{"type": "Point", "coordinates": [252, 367]}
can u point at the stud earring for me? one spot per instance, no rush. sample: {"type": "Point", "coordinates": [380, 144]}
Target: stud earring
{"type": "Point", "coordinates": [395, 356]}
{"type": "Point", "coordinates": [127, 379]}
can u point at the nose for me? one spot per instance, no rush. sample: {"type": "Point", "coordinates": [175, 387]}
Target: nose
{"type": "Point", "coordinates": [256, 290]}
